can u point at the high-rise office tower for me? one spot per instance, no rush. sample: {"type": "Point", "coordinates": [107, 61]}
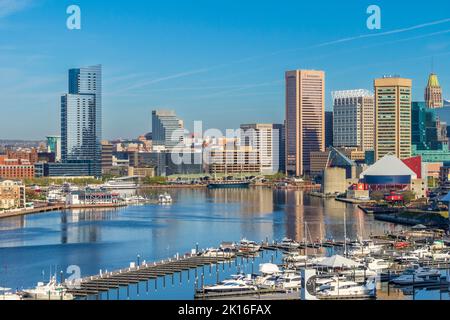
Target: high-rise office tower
{"type": "Point", "coordinates": [167, 129]}
{"type": "Point", "coordinates": [305, 118]}
{"type": "Point", "coordinates": [354, 119]}
{"type": "Point", "coordinates": [393, 117]}
{"type": "Point", "coordinates": [433, 93]}
{"type": "Point", "coordinates": [280, 131]}
{"type": "Point", "coordinates": [81, 120]}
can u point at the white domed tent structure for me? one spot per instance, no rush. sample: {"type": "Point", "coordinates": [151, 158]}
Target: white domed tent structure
{"type": "Point", "coordinates": [388, 173]}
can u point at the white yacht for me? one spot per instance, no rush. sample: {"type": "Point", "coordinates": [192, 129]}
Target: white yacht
{"type": "Point", "coordinates": [49, 291]}
{"type": "Point", "coordinates": [378, 265]}
{"type": "Point", "coordinates": [418, 275]}
{"type": "Point", "coordinates": [294, 257]}
{"type": "Point", "coordinates": [289, 244]}
{"type": "Point", "coordinates": [165, 198]}
{"type": "Point", "coordinates": [364, 248]}
{"type": "Point", "coordinates": [289, 280]}
{"type": "Point", "coordinates": [231, 285]}
{"type": "Point", "coordinates": [347, 289]}
{"type": "Point", "coordinates": [248, 246]}
{"type": "Point", "coordinates": [213, 252]}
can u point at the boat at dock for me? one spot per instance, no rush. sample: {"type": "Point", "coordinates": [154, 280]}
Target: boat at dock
{"type": "Point", "coordinates": [418, 276]}
{"type": "Point", "coordinates": [338, 289]}
{"type": "Point", "coordinates": [49, 291]}
{"type": "Point", "coordinates": [6, 294]}
{"type": "Point", "coordinates": [228, 184]}
{"type": "Point", "coordinates": [249, 246]}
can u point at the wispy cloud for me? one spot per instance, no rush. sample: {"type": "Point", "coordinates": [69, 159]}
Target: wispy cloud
{"type": "Point", "coordinates": [9, 7]}
{"type": "Point", "coordinates": [146, 83]}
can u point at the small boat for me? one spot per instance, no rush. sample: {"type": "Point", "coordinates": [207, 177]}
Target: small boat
{"type": "Point", "coordinates": [289, 244]}
{"type": "Point", "coordinates": [295, 257]}
{"type": "Point", "coordinates": [407, 259]}
{"type": "Point", "coordinates": [248, 246]}
{"type": "Point", "coordinates": [364, 247]}
{"type": "Point", "coordinates": [49, 291]}
{"type": "Point", "coordinates": [218, 253]}
{"type": "Point", "coordinates": [165, 198]}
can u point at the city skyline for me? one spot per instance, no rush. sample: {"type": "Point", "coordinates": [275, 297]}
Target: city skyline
{"type": "Point", "coordinates": [223, 84]}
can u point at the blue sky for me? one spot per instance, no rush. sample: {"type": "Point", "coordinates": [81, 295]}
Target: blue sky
{"type": "Point", "coordinates": [220, 61]}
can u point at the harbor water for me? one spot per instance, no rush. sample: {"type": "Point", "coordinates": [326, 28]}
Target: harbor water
{"type": "Point", "coordinates": [32, 248]}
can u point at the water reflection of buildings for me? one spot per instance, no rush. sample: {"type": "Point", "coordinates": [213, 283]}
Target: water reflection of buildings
{"type": "Point", "coordinates": [75, 230]}
{"type": "Point", "coordinates": [12, 223]}
{"type": "Point", "coordinates": [300, 209]}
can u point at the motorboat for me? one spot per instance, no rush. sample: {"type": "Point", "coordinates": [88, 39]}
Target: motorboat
{"type": "Point", "coordinates": [422, 252]}
{"type": "Point", "coordinates": [378, 265]}
{"type": "Point", "coordinates": [407, 259]}
{"type": "Point", "coordinates": [6, 294]}
{"type": "Point", "coordinates": [359, 273]}
{"type": "Point", "coordinates": [231, 285]}
{"type": "Point", "coordinates": [218, 253]}
{"type": "Point", "coordinates": [418, 275]}
{"type": "Point", "coordinates": [289, 244]}
{"type": "Point", "coordinates": [248, 246]}
{"type": "Point", "coordinates": [348, 289]}
{"type": "Point", "coordinates": [365, 247]}
{"type": "Point", "coordinates": [165, 198]}
{"type": "Point", "coordinates": [49, 291]}
{"type": "Point", "coordinates": [295, 257]}
{"type": "Point", "coordinates": [289, 280]}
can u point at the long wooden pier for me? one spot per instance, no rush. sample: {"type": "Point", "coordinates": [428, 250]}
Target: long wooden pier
{"type": "Point", "coordinates": [95, 285]}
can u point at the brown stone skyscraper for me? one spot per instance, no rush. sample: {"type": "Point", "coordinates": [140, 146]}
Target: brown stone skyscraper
{"type": "Point", "coordinates": [433, 93]}
{"type": "Point", "coordinates": [305, 118]}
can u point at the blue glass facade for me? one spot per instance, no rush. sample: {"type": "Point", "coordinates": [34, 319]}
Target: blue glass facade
{"type": "Point", "coordinates": [81, 121]}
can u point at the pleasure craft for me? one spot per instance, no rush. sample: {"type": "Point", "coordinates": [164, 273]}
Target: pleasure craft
{"type": "Point", "coordinates": [289, 244]}
{"type": "Point", "coordinates": [49, 291]}
{"type": "Point", "coordinates": [377, 265]}
{"type": "Point", "coordinates": [360, 273]}
{"type": "Point", "coordinates": [248, 246]}
{"type": "Point", "coordinates": [364, 247]}
{"type": "Point", "coordinates": [407, 259]}
{"type": "Point", "coordinates": [344, 289]}
{"type": "Point", "coordinates": [165, 198]}
{"type": "Point", "coordinates": [422, 252]}
{"type": "Point", "coordinates": [418, 275]}
{"type": "Point", "coordinates": [231, 286]}
{"type": "Point", "coordinates": [295, 257]}
{"type": "Point", "coordinates": [289, 280]}
{"type": "Point", "coordinates": [213, 252]}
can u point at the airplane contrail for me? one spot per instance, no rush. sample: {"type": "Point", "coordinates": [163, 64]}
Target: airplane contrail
{"type": "Point", "coordinates": [324, 44]}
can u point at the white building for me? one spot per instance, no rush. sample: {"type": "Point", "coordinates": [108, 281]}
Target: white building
{"type": "Point", "coordinates": [354, 119]}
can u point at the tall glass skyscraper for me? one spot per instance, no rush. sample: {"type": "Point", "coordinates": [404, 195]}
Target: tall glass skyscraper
{"type": "Point", "coordinates": [81, 120]}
